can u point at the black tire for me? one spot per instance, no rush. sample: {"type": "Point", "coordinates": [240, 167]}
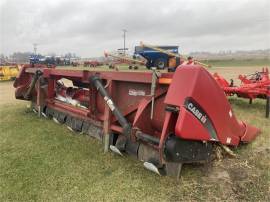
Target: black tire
{"type": "Point", "coordinates": [112, 66]}
{"type": "Point", "coordinates": [160, 63]}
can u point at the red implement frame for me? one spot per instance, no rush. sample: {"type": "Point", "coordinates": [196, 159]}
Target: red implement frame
{"type": "Point", "coordinates": [252, 86]}
{"type": "Point", "coordinates": [160, 111]}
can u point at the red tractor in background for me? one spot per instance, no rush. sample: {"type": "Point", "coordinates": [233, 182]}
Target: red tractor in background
{"type": "Point", "coordinates": [92, 63]}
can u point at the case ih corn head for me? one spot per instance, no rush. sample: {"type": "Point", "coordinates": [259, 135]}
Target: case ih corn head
{"type": "Point", "coordinates": [252, 86]}
{"type": "Point", "coordinates": [163, 119]}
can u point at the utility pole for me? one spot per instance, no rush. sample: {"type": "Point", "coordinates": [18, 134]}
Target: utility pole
{"type": "Point", "coordinates": [124, 31]}
{"type": "Point", "coordinates": [35, 48]}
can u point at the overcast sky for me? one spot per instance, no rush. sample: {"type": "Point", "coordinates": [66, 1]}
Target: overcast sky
{"type": "Point", "coordinates": [90, 27]}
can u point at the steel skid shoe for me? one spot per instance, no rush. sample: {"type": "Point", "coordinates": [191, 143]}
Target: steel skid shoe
{"type": "Point", "coordinates": [173, 169]}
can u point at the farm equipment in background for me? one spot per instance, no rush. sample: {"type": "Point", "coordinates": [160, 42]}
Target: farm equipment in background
{"type": "Point", "coordinates": [157, 56]}
{"type": "Point", "coordinates": [75, 63]}
{"type": "Point", "coordinates": [62, 61]}
{"type": "Point", "coordinates": [91, 63]}
{"type": "Point", "coordinates": [252, 86]}
{"type": "Point", "coordinates": [8, 72]}
{"type": "Point", "coordinates": [153, 116]}
{"type": "Point", "coordinates": [51, 60]}
{"type": "Point", "coordinates": [164, 56]}
{"type": "Point", "coordinates": [37, 59]}
{"type": "Point", "coordinates": [124, 59]}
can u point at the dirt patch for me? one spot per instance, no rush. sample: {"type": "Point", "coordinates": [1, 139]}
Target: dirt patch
{"type": "Point", "coordinates": [218, 173]}
{"type": "Point", "coordinates": [237, 177]}
{"type": "Point", "coordinates": [220, 179]}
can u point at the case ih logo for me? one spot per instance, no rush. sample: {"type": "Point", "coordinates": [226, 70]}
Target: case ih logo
{"type": "Point", "coordinates": [196, 112]}
{"type": "Point", "coordinates": [199, 113]}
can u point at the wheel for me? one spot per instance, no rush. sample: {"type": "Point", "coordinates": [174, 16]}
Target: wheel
{"type": "Point", "coordinates": [160, 63]}
{"type": "Point", "coordinates": [111, 66]}
{"type": "Point", "coordinates": [148, 65]}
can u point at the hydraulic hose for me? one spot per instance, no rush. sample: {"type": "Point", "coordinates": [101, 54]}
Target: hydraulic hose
{"type": "Point", "coordinates": [95, 80]}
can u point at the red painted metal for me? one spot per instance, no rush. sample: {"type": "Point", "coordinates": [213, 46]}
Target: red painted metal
{"type": "Point", "coordinates": [130, 92]}
{"type": "Point", "coordinates": [91, 63]}
{"type": "Point", "coordinates": [252, 86]}
{"type": "Point", "coordinates": [203, 89]}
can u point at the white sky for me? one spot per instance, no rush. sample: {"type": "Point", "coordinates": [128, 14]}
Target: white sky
{"type": "Point", "coordinates": [90, 27]}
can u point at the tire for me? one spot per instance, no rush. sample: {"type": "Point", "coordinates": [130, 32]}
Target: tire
{"type": "Point", "coordinates": [148, 65]}
{"type": "Point", "coordinates": [160, 63]}
{"type": "Point", "coordinates": [111, 66]}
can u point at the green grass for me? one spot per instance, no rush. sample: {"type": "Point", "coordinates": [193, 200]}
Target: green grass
{"type": "Point", "coordinates": [238, 62]}
{"type": "Point", "coordinates": [43, 161]}
{"type": "Point", "coordinates": [214, 63]}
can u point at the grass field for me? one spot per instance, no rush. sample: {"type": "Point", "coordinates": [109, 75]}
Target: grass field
{"type": "Point", "coordinates": [213, 63]}
{"type": "Point", "coordinates": [43, 161]}
{"type": "Point", "coordinates": [239, 63]}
